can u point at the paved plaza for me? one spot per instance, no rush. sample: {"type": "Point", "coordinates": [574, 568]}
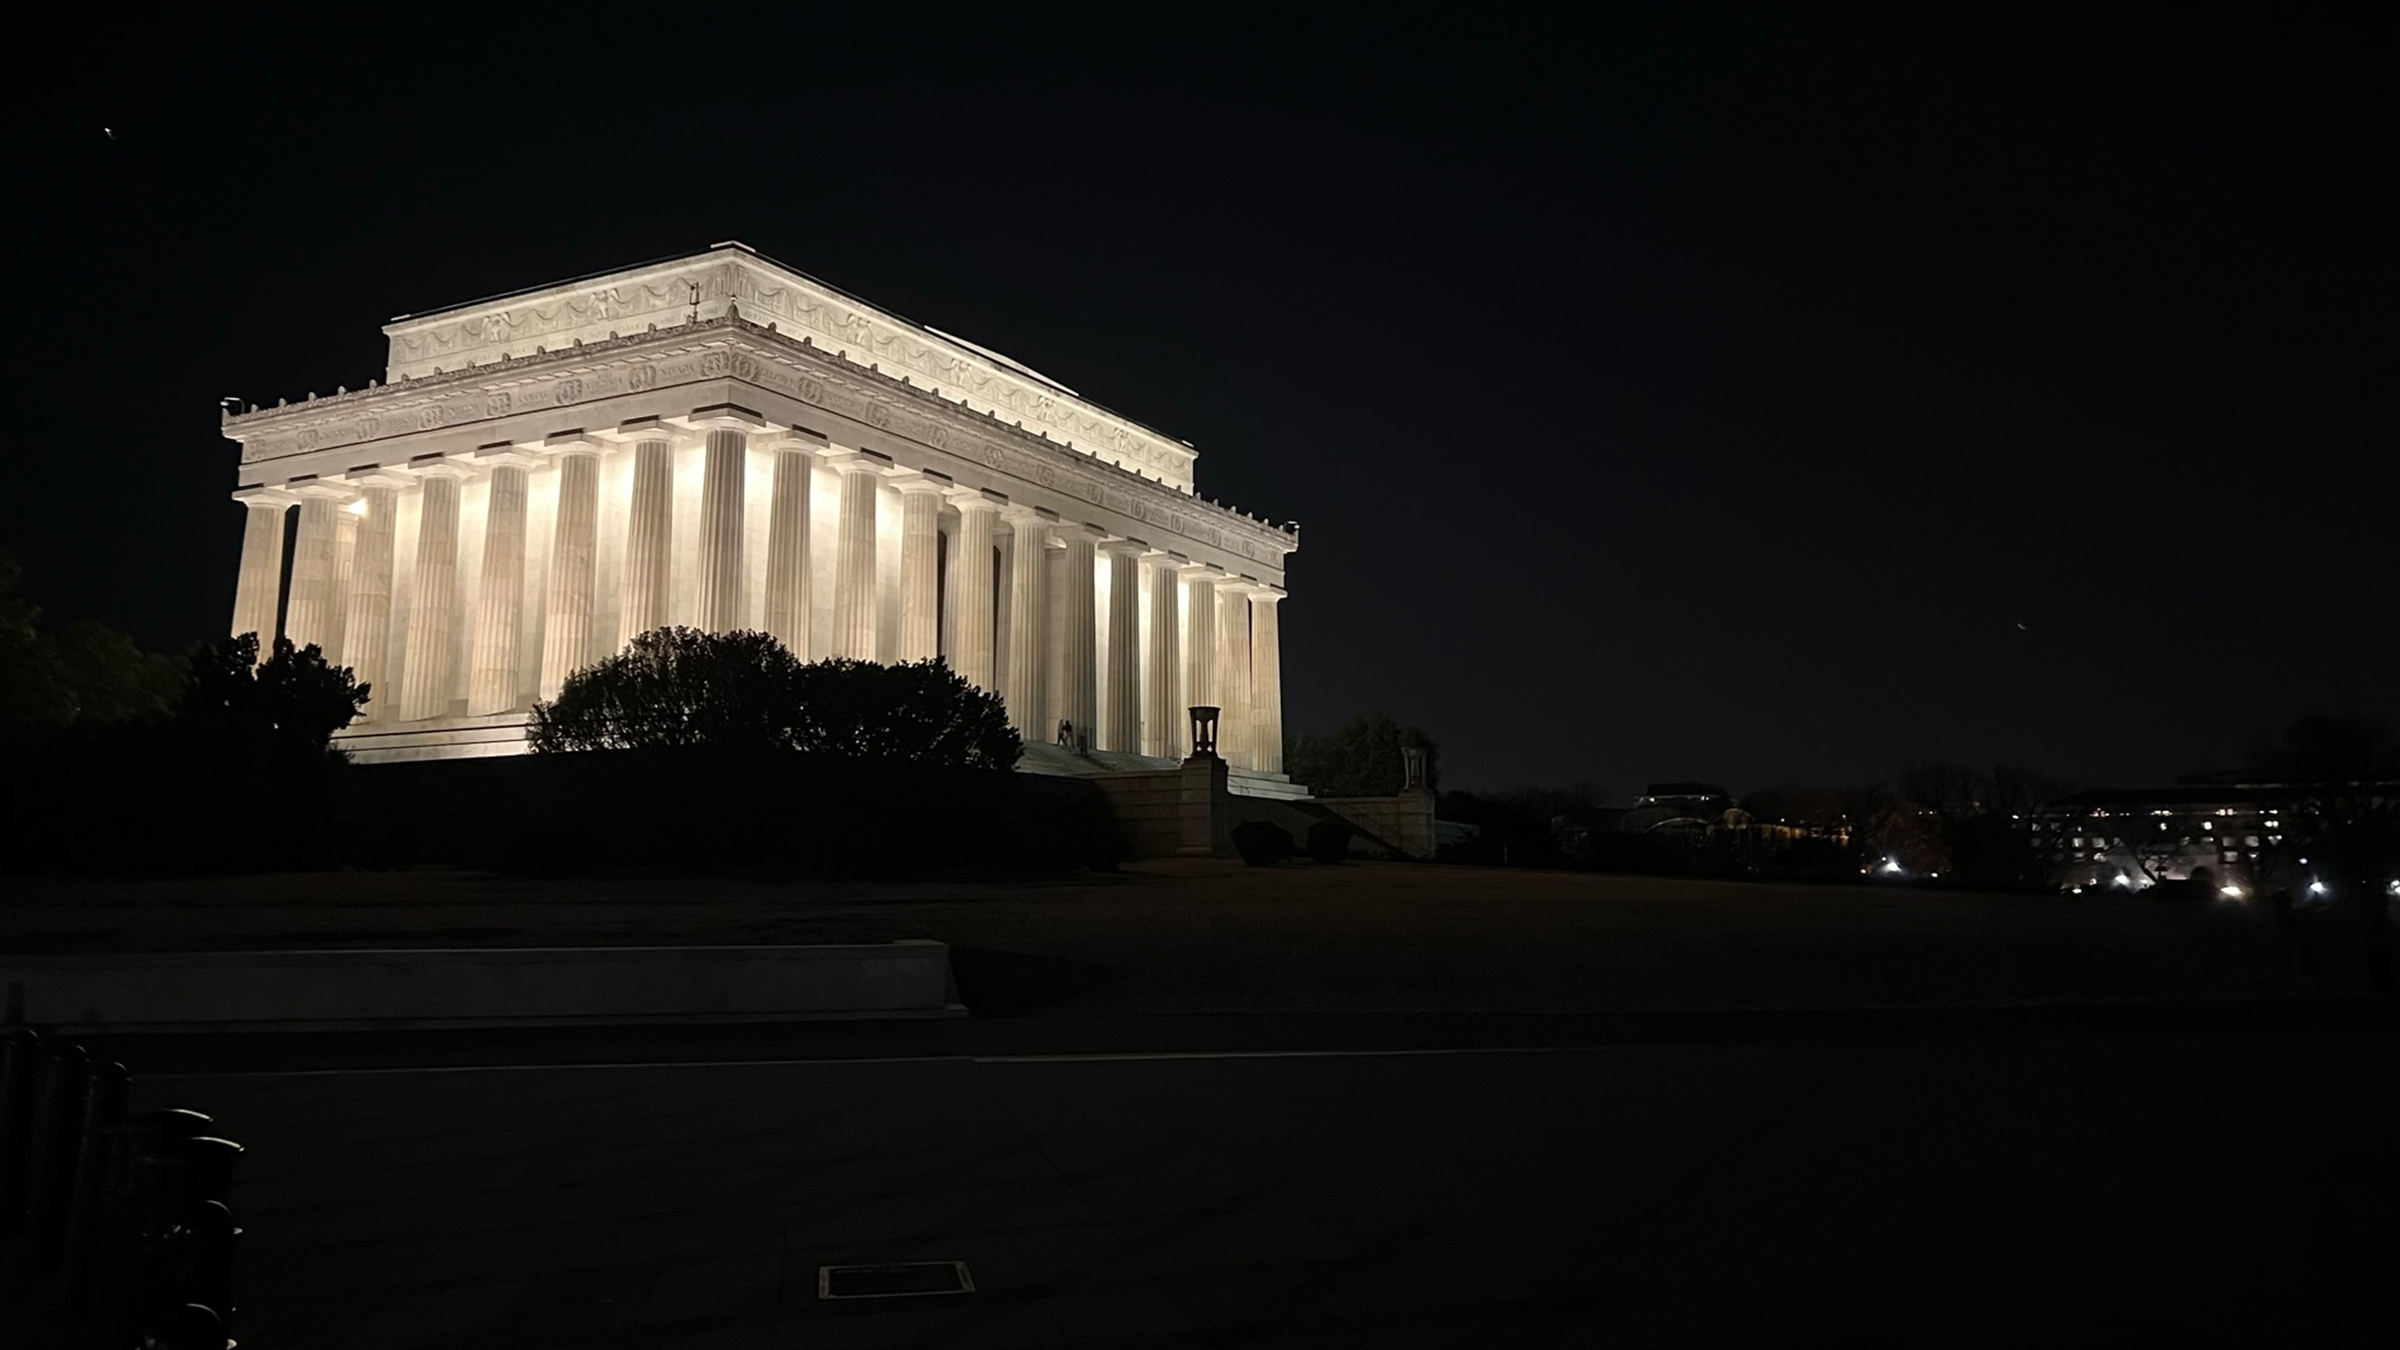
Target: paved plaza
{"type": "Point", "coordinates": [2130, 1176]}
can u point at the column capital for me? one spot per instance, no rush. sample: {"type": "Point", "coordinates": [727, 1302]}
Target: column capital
{"type": "Point", "coordinates": [920, 480]}
{"type": "Point", "coordinates": [505, 455]}
{"type": "Point", "coordinates": [1081, 529]}
{"type": "Point", "coordinates": [796, 439]}
{"type": "Point", "coordinates": [376, 477]}
{"type": "Point", "coordinates": [1209, 573]}
{"type": "Point", "coordinates": [724, 417]}
{"type": "Point", "coordinates": [977, 499]}
{"type": "Point", "coordinates": [641, 429]}
{"type": "Point", "coordinates": [263, 496]}
{"type": "Point", "coordinates": [575, 442]}
{"type": "Point", "coordinates": [438, 466]}
{"type": "Point", "coordinates": [324, 488]}
{"type": "Point", "coordinates": [858, 461]}
{"type": "Point", "coordinates": [1029, 516]}
{"type": "Point", "coordinates": [1131, 548]}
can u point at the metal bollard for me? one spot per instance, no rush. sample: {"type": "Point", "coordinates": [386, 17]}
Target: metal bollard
{"type": "Point", "coordinates": [57, 1138]}
{"type": "Point", "coordinates": [123, 1213]}
{"type": "Point", "coordinates": [20, 1072]}
{"type": "Point", "coordinates": [196, 1261]}
{"type": "Point", "coordinates": [171, 1183]}
{"type": "Point", "coordinates": [191, 1327]}
{"type": "Point", "coordinates": [79, 1249]}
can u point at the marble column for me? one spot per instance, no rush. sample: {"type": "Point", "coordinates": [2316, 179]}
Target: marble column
{"type": "Point", "coordinates": [1078, 696]}
{"type": "Point", "coordinates": [367, 629]}
{"type": "Point", "coordinates": [316, 561]}
{"type": "Point", "coordinates": [572, 595]}
{"type": "Point", "coordinates": [258, 590]}
{"type": "Point", "coordinates": [1233, 676]}
{"type": "Point", "coordinates": [971, 598]}
{"type": "Point", "coordinates": [1200, 644]}
{"type": "Point", "coordinates": [1121, 721]}
{"type": "Point", "coordinates": [425, 676]}
{"type": "Point", "coordinates": [1266, 680]}
{"type": "Point", "coordinates": [494, 672]}
{"type": "Point", "coordinates": [1162, 667]}
{"type": "Point", "coordinates": [854, 600]}
{"type": "Point", "coordinates": [726, 466]}
{"type": "Point", "coordinates": [649, 539]}
{"type": "Point", "coordinates": [787, 617]}
{"type": "Point", "coordinates": [920, 567]}
{"type": "Point", "coordinates": [345, 557]}
{"type": "Point", "coordinates": [1028, 644]}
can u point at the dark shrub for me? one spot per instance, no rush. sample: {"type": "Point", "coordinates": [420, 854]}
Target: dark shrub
{"type": "Point", "coordinates": [1329, 840]}
{"type": "Point", "coordinates": [677, 688]}
{"type": "Point", "coordinates": [745, 693]}
{"type": "Point", "coordinates": [1261, 842]}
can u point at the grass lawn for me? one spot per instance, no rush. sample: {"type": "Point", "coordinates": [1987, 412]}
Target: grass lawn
{"type": "Point", "coordinates": [1218, 937]}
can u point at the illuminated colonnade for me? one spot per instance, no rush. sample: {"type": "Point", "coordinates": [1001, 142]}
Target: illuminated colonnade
{"type": "Point", "coordinates": [470, 537]}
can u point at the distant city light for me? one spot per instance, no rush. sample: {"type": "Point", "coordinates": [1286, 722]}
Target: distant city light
{"type": "Point", "coordinates": [2231, 892]}
{"type": "Point", "coordinates": [2318, 888]}
{"type": "Point", "coordinates": [1891, 865]}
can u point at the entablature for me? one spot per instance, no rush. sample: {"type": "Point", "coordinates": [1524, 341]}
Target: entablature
{"type": "Point", "coordinates": [600, 384]}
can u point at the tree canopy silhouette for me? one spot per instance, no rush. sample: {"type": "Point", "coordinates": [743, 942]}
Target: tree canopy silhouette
{"type": "Point", "coordinates": [83, 674]}
{"type": "Point", "coordinates": [1359, 758]}
{"type": "Point", "coordinates": [679, 688]}
{"type": "Point", "coordinates": [288, 706]}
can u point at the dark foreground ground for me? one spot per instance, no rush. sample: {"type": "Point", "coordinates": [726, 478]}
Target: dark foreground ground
{"type": "Point", "coordinates": [1218, 937]}
{"type": "Point", "coordinates": [2168, 1175]}
{"type": "Point", "coordinates": [1353, 1107]}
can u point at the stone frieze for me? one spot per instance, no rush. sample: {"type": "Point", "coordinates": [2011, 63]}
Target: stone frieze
{"type": "Point", "coordinates": [736, 349]}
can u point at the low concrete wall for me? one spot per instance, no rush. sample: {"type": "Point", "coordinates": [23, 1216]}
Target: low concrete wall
{"type": "Point", "coordinates": [1405, 821]}
{"type": "Point", "coordinates": [1167, 813]}
{"type": "Point", "coordinates": [482, 987]}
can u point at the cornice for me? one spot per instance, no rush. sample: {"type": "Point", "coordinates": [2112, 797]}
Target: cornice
{"type": "Point", "coordinates": [733, 278]}
{"type": "Point", "coordinates": [735, 348]}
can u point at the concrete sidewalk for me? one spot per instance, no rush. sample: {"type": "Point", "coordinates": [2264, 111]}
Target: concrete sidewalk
{"type": "Point", "coordinates": [1872, 1190]}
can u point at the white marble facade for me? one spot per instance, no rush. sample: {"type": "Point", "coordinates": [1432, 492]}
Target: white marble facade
{"type": "Point", "coordinates": [722, 442]}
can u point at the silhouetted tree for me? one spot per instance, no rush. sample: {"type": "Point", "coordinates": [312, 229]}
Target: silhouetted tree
{"type": "Point", "coordinates": [922, 712]}
{"type": "Point", "coordinates": [110, 680]}
{"type": "Point", "coordinates": [85, 674]}
{"type": "Point", "coordinates": [674, 688]}
{"type": "Point", "coordinates": [1359, 758]}
{"type": "Point", "coordinates": [679, 688]}
{"type": "Point", "coordinates": [285, 708]}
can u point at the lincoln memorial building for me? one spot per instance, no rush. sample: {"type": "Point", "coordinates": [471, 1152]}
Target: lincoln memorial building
{"type": "Point", "coordinates": [722, 442]}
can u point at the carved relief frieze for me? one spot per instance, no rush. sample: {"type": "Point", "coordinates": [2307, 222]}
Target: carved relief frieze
{"type": "Point", "coordinates": [811, 375]}
{"type": "Point", "coordinates": [761, 295]}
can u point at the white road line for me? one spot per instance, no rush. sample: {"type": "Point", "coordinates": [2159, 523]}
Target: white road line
{"type": "Point", "coordinates": [1133, 1057]}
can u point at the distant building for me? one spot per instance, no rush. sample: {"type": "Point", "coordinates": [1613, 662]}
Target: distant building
{"type": "Point", "coordinates": [2238, 838]}
{"type": "Point", "coordinates": [1692, 808]}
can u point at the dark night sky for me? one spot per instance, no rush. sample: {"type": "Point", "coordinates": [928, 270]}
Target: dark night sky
{"type": "Point", "coordinates": [1711, 397]}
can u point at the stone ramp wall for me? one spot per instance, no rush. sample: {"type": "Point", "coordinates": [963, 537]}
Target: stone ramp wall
{"type": "Point", "coordinates": [479, 987]}
{"type": "Point", "coordinates": [1404, 822]}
